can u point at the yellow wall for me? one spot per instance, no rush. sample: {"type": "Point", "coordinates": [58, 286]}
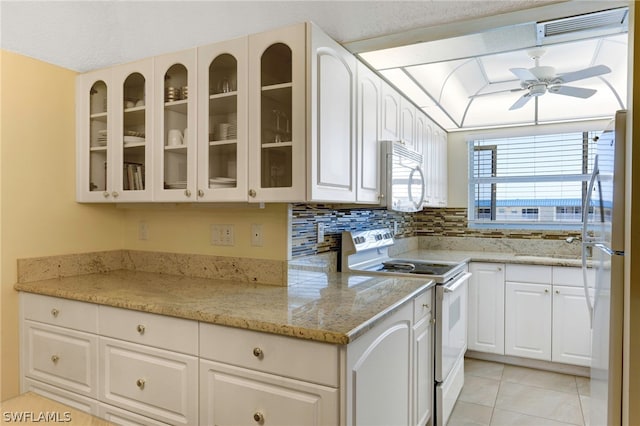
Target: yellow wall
{"type": "Point", "coordinates": [186, 229]}
{"type": "Point", "coordinates": [39, 215]}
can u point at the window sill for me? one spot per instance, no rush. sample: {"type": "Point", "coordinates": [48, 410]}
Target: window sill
{"type": "Point", "coordinates": [538, 226]}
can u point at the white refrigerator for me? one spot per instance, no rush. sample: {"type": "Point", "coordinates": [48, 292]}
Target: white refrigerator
{"type": "Point", "coordinates": [603, 238]}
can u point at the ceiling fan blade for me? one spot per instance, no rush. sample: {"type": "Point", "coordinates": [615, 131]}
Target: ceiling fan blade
{"type": "Point", "coordinates": [584, 73]}
{"type": "Point", "coordinates": [523, 74]}
{"type": "Point", "coordinates": [576, 92]}
{"type": "Point", "coordinates": [521, 101]}
{"type": "Point", "coordinates": [478, 95]}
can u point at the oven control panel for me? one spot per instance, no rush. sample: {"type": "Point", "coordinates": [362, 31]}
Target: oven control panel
{"type": "Point", "coordinates": [364, 240]}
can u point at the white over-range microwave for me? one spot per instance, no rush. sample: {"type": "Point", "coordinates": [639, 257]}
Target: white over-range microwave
{"type": "Point", "coordinates": [402, 179]}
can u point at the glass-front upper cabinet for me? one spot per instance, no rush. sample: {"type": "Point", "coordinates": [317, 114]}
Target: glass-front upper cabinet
{"type": "Point", "coordinates": [174, 142]}
{"type": "Point", "coordinates": [93, 137]}
{"type": "Point", "coordinates": [132, 135]}
{"type": "Point", "coordinates": [277, 130]}
{"type": "Point", "coordinates": [222, 124]}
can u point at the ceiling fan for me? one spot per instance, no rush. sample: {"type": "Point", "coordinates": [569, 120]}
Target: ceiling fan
{"type": "Point", "coordinates": [542, 79]}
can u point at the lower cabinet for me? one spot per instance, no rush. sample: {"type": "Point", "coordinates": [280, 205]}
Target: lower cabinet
{"type": "Point", "coordinates": [122, 367]}
{"type": "Point", "coordinates": [531, 311]}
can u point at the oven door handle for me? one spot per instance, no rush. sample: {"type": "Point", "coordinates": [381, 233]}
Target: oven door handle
{"type": "Point", "coordinates": [451, 287]}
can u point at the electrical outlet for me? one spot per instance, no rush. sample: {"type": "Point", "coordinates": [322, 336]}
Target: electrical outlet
{"type": "Point", "coordinates": [256, 235]}
{"type": "Point", "coordinates": [222, 235]}
{"type": "Point", "coordinates": [143, 230]}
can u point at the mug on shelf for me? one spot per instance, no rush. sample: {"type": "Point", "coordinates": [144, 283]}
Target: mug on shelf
{"type": "Point", "coordinates": [175, 137]}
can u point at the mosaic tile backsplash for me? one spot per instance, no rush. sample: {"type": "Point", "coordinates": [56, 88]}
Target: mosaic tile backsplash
{"type": "Point", "coordinates": [441, 222]}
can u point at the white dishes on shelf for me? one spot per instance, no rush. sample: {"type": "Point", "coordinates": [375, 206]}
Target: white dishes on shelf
{"type": "Point", "coordinates": [102, 137]}
{"type": "Point", "coordinates": [133, 139]}
{"type": "Point", "coordinates": [222, 182]}
{"type": "Point", "coordinates": [181, 184]}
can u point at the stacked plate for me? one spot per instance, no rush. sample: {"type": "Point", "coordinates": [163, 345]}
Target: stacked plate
{"type": "Point", "coordinates": [102, 137]}
{"type": "Point", "coordinates": [171, 94]}
{"type": "Point", "coordinates": [232, 133]}
{"type": "Point", "coordinates": [222, 182]}
{"type": "Point", "coordinates": [131, 136]}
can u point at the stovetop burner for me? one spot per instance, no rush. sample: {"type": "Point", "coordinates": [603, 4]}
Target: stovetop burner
{"type": "Point", "coordinates": [416, 267]}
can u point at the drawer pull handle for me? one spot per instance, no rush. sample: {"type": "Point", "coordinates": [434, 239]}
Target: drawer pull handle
{"type": "Point", "coordinates": [426, 305]}
{"type": "Point", "coordinates": [140, 383]}
{"type": "Point", "coordinates": [55, 359]}
{"type": "Point", "coordinates": [140, 328]}
{"type": "Point", "coordinates": [55, 312]}
{"type": "Point", "coordinates": [257, 352]}
{"type": "Point", "coordinates": [258, 417]}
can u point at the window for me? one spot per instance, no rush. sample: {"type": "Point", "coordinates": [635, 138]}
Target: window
{"type": "Point", "coordinates": [535, 179]}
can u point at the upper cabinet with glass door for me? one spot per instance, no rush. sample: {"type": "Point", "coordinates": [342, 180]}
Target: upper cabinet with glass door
{"type": "Point", "coordinates": [132, 138]}
{"type": "Point", "coordinates": [174, 142]}
{"type": "Point", "coordinates": [302, 127]}
{"type": "Point", "coordinates": [222, 123]}
{"type": "Point", "coordinates": [94, 162]}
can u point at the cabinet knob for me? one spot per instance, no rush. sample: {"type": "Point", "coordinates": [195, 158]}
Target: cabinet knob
{"type": "Point", "coordinates": [433, 321]}
{"type": "Point", "coordinates": [55, 359]}
{"type": "Point", "coordinates": [140, 383]}
{"type": "Point", "coordinates": [257, 352]}
{"type": "Point", "coordinates": [200, 193]}
{"type": "Point", "coordinates": [252, 193]}
{"type": "Point", "coordinates": [557, 291]}
{"type": "Point", "coordinates": [55, 312]}
{"type": "Point", "coordinates": [187, 192]}
{"type": "Point", "coordinates": [105, 194]}
{"type": "Point", "coordinates": [115, 194]}
{"type": "Point", "coordinates": [426, 306]}
{"type": "Point", "coordinates": [258, 417]}
{"type": "Point", "coordinates": [140, 328]}
{"type": "Point", "coordinates": [546, 290]}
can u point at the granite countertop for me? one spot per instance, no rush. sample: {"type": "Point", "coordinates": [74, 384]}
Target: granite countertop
{"type": "Point", "coordinates": [326, 307]}
{"type": "Point", "coordinates": [496, 257]}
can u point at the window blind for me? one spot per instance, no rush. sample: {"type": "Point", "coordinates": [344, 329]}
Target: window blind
{"type": "Point", "coordinates": [533, 178]}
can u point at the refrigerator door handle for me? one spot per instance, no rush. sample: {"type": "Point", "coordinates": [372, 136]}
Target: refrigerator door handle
{"type": "Point", "coordinates": [585, 240]}
{"type": "Point", "coordinates": [608, 250]}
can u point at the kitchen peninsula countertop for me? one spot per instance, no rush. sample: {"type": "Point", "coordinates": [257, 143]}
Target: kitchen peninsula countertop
{"type": "Point", "coordinates": [326, 307]}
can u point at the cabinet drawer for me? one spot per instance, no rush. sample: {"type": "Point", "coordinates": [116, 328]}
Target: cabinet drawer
{"type": "Point", "coordinates": [62, 312]}
{"type": "Point", "coordinates": [123, 417]}
{"type": "Point", "coordinates": [175, 334]}
{"type": "Point", "coordinates": [237, 396]}
{"type": "Point", "coordinates": [528, 273]}
{"type": "Point", "coordinates": [79, 402]}
{"type": "Point", "coordinates": [422, 305]}
{"type": "Point", "coordinates": [281, 355]}
{"type": "Point", "coordinates": [572, 276]}
{"type": "Point", "coordinates": [152, 382]}
{"type": "Point", "coordinates": [61, 357]}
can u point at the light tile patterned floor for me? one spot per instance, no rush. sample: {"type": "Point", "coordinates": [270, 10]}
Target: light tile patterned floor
{"type": "Point", "coordinates": [505, 395]}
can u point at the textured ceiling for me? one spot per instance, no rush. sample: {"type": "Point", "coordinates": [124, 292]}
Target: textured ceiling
{"type": "Point", "coordinates": [86, 35]}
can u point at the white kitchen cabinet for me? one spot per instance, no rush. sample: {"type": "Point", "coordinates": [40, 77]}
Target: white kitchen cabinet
{"type": "Point", "coordinates": [132, 134]}
{"type": "Point", "coordinates": [125, 418]}
{"type": "Point", "coordinates": [223, 121]}
{"type": "Point", "coordinates": [431, 141]}
{"type": "Point", "coordinates": [486, 307]}
{"type": "Point", "coordinates": [379, 373]}
{"type": "Point", "coordinates": [302, 117]}
{"type": "Point", "coordinates": [423, 360]}
{"type": "Point", "coordinates": [231, 395]}
{"type": "Point", "coordinates": [441, 168]}
{"type": "Point", "coordinates": [174, 122]}
{"type": "Point", "coordinates": [390, 113]}
{"type": "Point", "coordinates": [571, 326]}
{"type": "Point", "coordinates": [153, 382]}
{"type": "Point", "coordinates": [367, 134]}
{"type": "Point", "coordinates": [408, 123]}
{"type": "Point", "coordinates": [528, 320]}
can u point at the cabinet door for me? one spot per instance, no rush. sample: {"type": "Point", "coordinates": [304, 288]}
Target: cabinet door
{"type": "Point", "coordinates": [94, 137]}
{"type": "Point", "coordinates": [441, 182]}
{"type": "Point", "coordinates": [430, 166]}
{"type": "Point", "coordinates": [368, 126]}
{"type": "Point", "coordinates": [61, 357]}
{"type": "Point", "coordinates": [152, 382]}
{"type": "Point", "coordinates": [223, 121]}
{"type": "Point", "coordinates": [571, 326]}
{"type": "Point", "coordinates": [132, 136]}
{"type": "Point", "coordinates": [277, 131]}
{"type": "Point", "coordinates": [390, 114]}
{"type": "Point", "coordinates": [379, 373]}
{"type": "Point", "coordinates": [408, 123]}
{"type": "Point", "coordinates": [528, 320]}
{"type": "Point", "coordinates": [232, 395]}
{"type": "Point", "coordinates": [174, 141]}
{"type": "Point", "coordinates": [332, 119]}
{"type": "Point", "coordinates": [423, 372]}
{"type": "Point", "coordinates": [486, 308]}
